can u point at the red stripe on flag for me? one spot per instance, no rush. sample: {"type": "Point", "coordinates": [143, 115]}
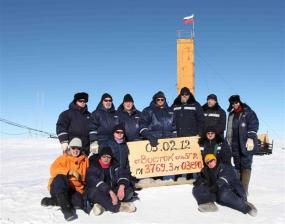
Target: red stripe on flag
{"type": "Point", "coordinates": [188, 21]}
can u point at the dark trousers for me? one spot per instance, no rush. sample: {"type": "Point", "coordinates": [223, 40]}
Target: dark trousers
{"type": "Point", "coordinates": [230, 199]}
{"type": "Point", "coordinates": [95, 195]}
{"type": "Point", "coordinates": [241, 161]}
{"type": "Point", "coordinates": [60, 185]}
{"type": "Point", "coordinates": [203, 195]}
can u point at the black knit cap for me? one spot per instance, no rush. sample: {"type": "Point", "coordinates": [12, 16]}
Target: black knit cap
{"type": "Point", "coordinates": [210, 129]}
{"type": "Point", "coordinates": [105, 151]}
{"type": "Point", "coordinates": [234, 98]}
{"type": "Point", "coordinates": [106, 95]}
{"type": "Point", "coordinates": [80, 96]}
{"type": "Point", "coordinates": [119, 127]}
{"type": "Point", "coordinates": [128, 98]}
{"type": "Point", "coordinates": [185, 91]}
{"type": "Point", "coordinates": [213, 97]}
{"type": "Point", "coordinates": [159, 94]}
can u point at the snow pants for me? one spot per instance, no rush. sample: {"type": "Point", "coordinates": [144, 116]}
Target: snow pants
{"type": "Point", "coordinates": [230, 199]}
{"type": "Point", "coordinates": [241, 161]}
{"type": "Point", "coordinates": [60, 185]}
{"type": "Point", "coordinates": [203, 195]}
{"type": "Point", "coordinates": [96, 195]}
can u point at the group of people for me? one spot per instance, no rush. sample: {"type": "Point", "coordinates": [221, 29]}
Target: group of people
{"type": "Point", "coordinates": [94, 167]}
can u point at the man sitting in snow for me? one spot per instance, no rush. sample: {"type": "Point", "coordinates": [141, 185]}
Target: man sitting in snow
{"type": "Point", "coordinates": [218, 182]}
{"type": "Point", "coordinates": [67, 181]}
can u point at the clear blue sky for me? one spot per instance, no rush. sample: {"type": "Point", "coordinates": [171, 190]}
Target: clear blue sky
{"type": "Point", "coordinates": [51, 49]}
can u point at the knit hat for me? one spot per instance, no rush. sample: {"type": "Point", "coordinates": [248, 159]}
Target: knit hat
{"type": "Point", "coordinates": [106, 95]}
{"type": "Point", "coordinates": [119, 127]}
{"type": "Point", "coordinates": [213, 97]}
{"type": "Point", "coordinates": [185, 91]}
{"type": "Point", "coordinates": [75, 142]}
{"type": "Point", "coordinates": [105, 151]}
{"type": "Point", "coordinates": [210, 129]}
{"type": "Point", "coordinates": [209, 157]}
{"type": "Point", "coordinates": [128, 98]}
{"type": "Point", "coordinates": [80, 96]}
{"type": "Point", "coordinates": [159, 94]}
{"type": "Point", "coordinates": [234, 98]}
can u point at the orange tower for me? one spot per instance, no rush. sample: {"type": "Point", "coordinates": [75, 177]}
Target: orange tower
{"type": "Point", "coordinates": [185, 61]}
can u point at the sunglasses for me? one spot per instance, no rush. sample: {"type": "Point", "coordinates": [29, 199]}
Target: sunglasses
{"type": "Point", "coordinates": [235, 103]}
{"type": "Point", "coordinates": [119, 132]}
{"type": "Point", "coordinates": [75, 148]}
{"type": "Point", "coordinates": [185, 95]}
{"type": "Point", "coordinates": [81, 101]}
{"type": "Point", "coordinates": [209, 161]}
{"type": "Point", "coordinates": [159, 99]}
{"type": "Point", "coordinates": [107, 100]}
{"type": "Point", "coordinates": [106, 157]}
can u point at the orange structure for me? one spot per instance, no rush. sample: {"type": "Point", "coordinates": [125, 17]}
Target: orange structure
{"type": "Point", "coordinates": [185, 64]}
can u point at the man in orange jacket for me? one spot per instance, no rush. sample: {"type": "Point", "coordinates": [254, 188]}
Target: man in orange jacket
{"type": "Point", "coordinates": [67, 181]}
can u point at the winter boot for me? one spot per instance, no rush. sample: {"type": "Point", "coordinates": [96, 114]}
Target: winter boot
{"type": "Point", "coordinates": [49, 201]}
{"type": "Point", "coordinates": [65, 206]}
{"type": "Point", "coordinates": [127, 207]}
{"type": "Point", "coordinates": [208, 207]}
{"type": "Point", "coordinates": [97, 209]}
{"type": "Point", "coordinates": [252, 209]}
{"type": "Point", "coordinates": [245, 177]}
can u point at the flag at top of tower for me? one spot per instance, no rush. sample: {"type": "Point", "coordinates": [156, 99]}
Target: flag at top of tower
{"type": "Point", "coordinates": [188, 19]}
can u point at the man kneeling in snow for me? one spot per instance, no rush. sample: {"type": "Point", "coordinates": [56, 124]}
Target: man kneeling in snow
{"type": "Point", "coordinates": [108, 185]}
{"type": "Point", "coordinates": [66, 184]}
{"type": "Point", "coordinates": [218, 182]}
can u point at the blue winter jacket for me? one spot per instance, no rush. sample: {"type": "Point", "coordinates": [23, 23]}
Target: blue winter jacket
{"type": "Point", "coordinates": [158, 122]}
{"type": "Point", "coordinates": [96, 176]}
{"type": "Point", "coordinates": [74, 122]}
{"type": "Point", "coordinates": [102, 123]}
{"type": "Point", "coordinates": [248, 127]}
{"type": "Point", "coordinates": [131, 123]}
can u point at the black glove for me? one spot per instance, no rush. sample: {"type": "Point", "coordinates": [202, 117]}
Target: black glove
{"type": "Point", "coordinates": [214, 188]}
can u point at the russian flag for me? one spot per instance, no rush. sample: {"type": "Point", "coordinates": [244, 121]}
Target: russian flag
{"type": "Point", "coordinates": [188, 19]}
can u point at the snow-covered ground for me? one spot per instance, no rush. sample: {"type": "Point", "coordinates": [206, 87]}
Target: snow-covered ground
{"type": "Point", "coordinates": [25, 172]}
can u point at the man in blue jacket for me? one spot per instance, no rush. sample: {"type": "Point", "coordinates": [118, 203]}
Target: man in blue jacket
{"type": "Point", "coordinates": [130, 117]}
{"type": "Point", "coordinates": [102, 122]}
{"type": "Point", "coordinates": [74, 122]}
{"type": "Point", "coordinates": [242, 136]}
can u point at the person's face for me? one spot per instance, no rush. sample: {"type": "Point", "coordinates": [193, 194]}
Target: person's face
{"type": "Point", "coordinates": [184, 98]}
{"type": "Point", "coordinates": [211, 135]}
{"type": "Point", "coordinates": [212, 163]}
{"type": "Point", "coordinates": [74, 151]}
{"type": "Point", "coordinates": [119, 134]}
{"type": "Point", "coordinates": [128, 106]}
{"type": "Point", "coordinates": [107, 103]}
{"type": "Point", "coordinates": [81, 103]}
{"type": "Point", "coordinates": [160, 101]}
{"type": "Point", "coordinates": [106, 159]}
{"type": "Point", "coordinates": [211, 102]}
{"type": "Point", "coordinates": [236, 105]}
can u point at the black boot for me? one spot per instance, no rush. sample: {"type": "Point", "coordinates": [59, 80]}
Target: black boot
{"type": "Point", "coordinates": [66, 207]}
{"type": "Point", "coordinates": [49, 201]}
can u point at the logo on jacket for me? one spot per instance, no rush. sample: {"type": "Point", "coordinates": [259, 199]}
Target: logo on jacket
{"type": "Point", "coordinates": [243, 124]}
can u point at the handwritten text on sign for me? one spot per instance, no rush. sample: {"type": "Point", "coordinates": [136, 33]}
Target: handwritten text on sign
{"type": "Point", "coordinates": [171, 156]}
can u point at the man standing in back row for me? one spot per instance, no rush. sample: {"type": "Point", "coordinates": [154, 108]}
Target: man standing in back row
{"type": "Point", "coordinates": [214, 115]}
{"type": "Point", "coordinates": [242, 136]}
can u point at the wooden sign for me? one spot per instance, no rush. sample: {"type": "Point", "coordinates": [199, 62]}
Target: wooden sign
{"type": "Point", "coordinates": [170, 157]}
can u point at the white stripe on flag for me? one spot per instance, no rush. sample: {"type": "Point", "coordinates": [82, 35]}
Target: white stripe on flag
{"type": "Point", "coordinates": [189, 17]}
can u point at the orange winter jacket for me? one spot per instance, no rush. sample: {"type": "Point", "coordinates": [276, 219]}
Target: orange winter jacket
{"type": "Point", "coordinates": [65, 163]}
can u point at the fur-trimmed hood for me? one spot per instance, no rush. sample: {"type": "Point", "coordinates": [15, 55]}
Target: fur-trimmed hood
{"type": "Point", "coordinates": [215, 108]}
{"type": "Point", "coordinates": [177, 101]}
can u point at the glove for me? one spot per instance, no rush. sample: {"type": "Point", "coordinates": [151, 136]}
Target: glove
{"type": "Point", "coordinates": [64, 146]}
{"type": "Point", "coordinates": [94, 147]}
{"type": "Point", "coordinates": [75, 174]}
{"type": "Point", "coordinates": [249, 144]}
{"type": "Point", "coordinates": [153, 141]}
